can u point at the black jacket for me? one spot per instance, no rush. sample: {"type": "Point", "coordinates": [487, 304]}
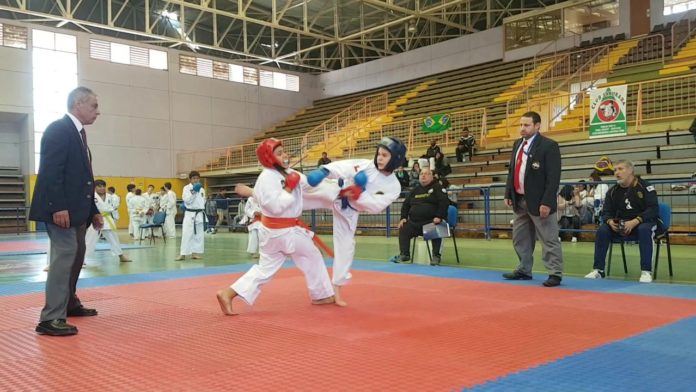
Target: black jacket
{"type": "Point", "coordinates": [65, 179]}
{"type": "Point", "coordinates": [542, 175]}
{"type": "Point", "coordinates": [636, 201]}
{"type": "Point", "coordinates": [425, 203]}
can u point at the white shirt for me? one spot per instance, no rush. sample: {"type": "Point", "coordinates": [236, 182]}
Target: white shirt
{"type": "Point", "coordinates": [523, 165]}
{"type": "Point", "coordinates": [78, 125]}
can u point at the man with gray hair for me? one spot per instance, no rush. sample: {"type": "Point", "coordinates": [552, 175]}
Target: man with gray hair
{"type": "Point", "coordinates": [64, 200]}
{"type": "Point", "coordinates": [630, 212]}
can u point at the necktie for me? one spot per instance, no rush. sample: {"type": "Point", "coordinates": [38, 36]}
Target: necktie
{"type": "Point", "coordinates": [518, 167]}
{"type": "Point", "coordinates": [83, 134]}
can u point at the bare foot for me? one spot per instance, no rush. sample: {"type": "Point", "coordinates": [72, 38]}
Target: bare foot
{"type": "Point", "coordinates": [338, 298]}
{"type": "Point", "coordinates": [196, 257]}
{"type": "Point", "coordinates": [224, 298]}
{"type": "Point", "coordinates": [124, 259]}
{"type": "Point", "coordinates": [180, 257]}
{"type": "Point", "coordinates": [324, 301]}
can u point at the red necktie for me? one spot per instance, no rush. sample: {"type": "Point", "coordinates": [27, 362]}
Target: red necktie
{"type": "Point", "coordinates": [518, 167]}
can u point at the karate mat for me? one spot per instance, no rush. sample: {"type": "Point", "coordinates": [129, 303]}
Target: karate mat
{"type": "Point", "coordinates": [40, 246]}
{"type": "Point", "coordinates": [402, 332]}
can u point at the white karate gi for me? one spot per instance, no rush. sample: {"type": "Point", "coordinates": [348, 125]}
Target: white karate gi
{"type": "Point", "coordinates": [380, 192]}
{"type": "Point", "coordinates": [192, 237]}
{"type": "Point", "coordinates": [105, 207]}
{"type": "Point", "coordinates": [131, 228]}
{"type": "Point", "coordinates": [169, 224]}
{"type": "Point", "coordinates": [278, 244]}
{"type": "Point", "coordinates": [250, 210]}
{"type": "Point", "coordinates": [138, 206]}
{"type": "Point", "coordinates": [153, 204]}
{"type": "Point", "coordinates": [115, 201]}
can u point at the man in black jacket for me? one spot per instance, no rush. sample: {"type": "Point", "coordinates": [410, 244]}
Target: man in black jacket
{"type": "Point", "coordinates": [465, 145]}
{"type": "Point", "coordinates": [532, 184]}
{"type": "Point", "coordinates": [64, 199]}
{"type": "Point", "coordinates": [630, 211]}
{"type": "Point", "coordinates": [427, 203]}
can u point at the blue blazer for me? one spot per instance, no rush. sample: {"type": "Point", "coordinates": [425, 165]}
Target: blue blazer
{"type": "Point", "coordinates": [65, 179]}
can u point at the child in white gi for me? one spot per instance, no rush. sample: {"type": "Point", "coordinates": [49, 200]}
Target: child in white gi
{"type": "Point", "coordinates": [170, 210]}
{"type": "Point", "coordinates": [192, 227]}
{"type": "Point", "coordinates": [105, 206]}
{"type": "Point", "coordinates": [115, 201]}
{"type": "Point", "coordinates": [252, 217]}
{"type": "Point", "coordinates": [281, 235]}
{"type": "Point", "coordinates": [362, 185]}
{"type": "Point", "coordinates": [129, 195]}
{"type": "Point", "coordinates": [138, 206]}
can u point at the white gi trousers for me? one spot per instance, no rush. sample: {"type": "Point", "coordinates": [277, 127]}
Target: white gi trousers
{"type": "Point", "coordinates": [136, 220]}
{"type": "Point", "coordinates": [192, 238]}
{"type": "Point", "coordinates": [92, 236]}
{"type": "Point", "coordinates": [276, 246]}
{"type": "Point", "coordinates": [253, 241]}
{"type": "Point", "coordinates": [169, 224]}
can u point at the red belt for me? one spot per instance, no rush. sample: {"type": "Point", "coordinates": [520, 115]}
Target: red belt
{"type": "Point", "coordinates": [286, 223]}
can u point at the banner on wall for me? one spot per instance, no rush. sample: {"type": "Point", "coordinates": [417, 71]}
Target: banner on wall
{"type": "Point", "coordinates": [436, 123]}
{"type": "Point", "coordinates": [608, 112]}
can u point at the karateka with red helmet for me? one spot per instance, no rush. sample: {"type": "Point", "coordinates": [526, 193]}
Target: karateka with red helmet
{"type": "Point", "coordinates": [349, 187]}
{"type": "Point", "coordinates": [279, 195]}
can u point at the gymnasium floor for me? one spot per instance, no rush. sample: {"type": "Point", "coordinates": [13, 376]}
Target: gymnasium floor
{"type": "Point", "coordinates": [408, 327]}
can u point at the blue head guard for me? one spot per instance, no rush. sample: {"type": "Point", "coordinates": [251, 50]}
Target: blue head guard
{"type": "Point", "coordinates": [397, 150]}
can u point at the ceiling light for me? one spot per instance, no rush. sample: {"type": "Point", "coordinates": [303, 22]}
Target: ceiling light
{"type": "Point", "coordinates": [411, 26]}
{"type": "Point", "coordinates": [170, 15]}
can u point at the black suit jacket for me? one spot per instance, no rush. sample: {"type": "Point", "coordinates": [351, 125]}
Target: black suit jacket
{"type": "Point", "coordinates": [65, 179]}
{"type": "Point", "coordinates": [542, 175]}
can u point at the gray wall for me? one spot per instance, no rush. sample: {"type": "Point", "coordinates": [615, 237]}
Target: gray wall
{"type": "Point", "coordinates": [147, 115]}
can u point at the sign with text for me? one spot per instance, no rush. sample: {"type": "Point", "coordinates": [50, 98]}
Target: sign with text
{"type": "Point", "coordinates": [608, 112]}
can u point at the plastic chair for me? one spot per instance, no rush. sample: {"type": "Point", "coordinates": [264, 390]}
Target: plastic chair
{"type": "Point", "coordinates": [665, 218]}
{"type": "Point", "coordinates": [157, 221]}
{"type": "Point", "coordinates": [452, 214]}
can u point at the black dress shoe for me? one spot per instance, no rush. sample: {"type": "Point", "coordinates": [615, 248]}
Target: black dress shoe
{"type": "Point", "coordinates": [516, 275]}
{"type": "Point", "coordinates": [57, 327]}
{"type": "Point", "coordinates": [81, 311]}
{"type": "Point", "coordinates": [552, 281]}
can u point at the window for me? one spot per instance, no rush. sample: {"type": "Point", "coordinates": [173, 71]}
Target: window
{"type": "Point", "coordinates": [54, 70]}
{"type": "Point", "coordinates": [192, 65]}
{"type": "Point", "coordinates": [126, 54]}
{"type": "Point", "coordinates": [677, 6]}
{"type": "Point", "coordinates": [13, 36]}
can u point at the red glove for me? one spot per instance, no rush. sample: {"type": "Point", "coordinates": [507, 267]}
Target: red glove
{"type": "Point", "coordinates": [291, 181]}
{"type": "Point", "coordinates": [354, 190]}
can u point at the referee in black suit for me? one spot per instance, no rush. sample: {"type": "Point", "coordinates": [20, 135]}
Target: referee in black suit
{"type": "Point", "coordinates": [532, 184]}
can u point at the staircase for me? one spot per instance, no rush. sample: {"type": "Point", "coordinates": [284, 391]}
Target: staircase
{"type": "Point", "coordinates": [13, 213]}
{"type": "Point", "coordinates": [682, 61]}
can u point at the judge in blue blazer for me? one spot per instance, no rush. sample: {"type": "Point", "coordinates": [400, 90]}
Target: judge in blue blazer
{"type": "Point", "coordinates": [64, 200]}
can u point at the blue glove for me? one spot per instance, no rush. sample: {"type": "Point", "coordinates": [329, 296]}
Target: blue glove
{"type": "Point", "coordinates": [197, 187]}
{"type": "Point", "coordinates": [316, 176]}
{"type": "Point", "coordinates": [360, 179]}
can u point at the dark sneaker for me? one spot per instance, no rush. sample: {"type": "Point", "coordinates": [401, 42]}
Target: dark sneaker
{"type": "Point", "coordinates": [552, 281]}
{"type": "Point", "coordinates": [516, 275]}
{"type": "Point", "coordinates": [400, 259]}
{"type": "Point", "coordinates": [436, 260]}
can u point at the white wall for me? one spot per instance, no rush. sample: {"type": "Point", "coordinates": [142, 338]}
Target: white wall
{"type": "Point", "coordinates": [428, 60]}
{"type": "Point", "coordinates": [10, 138]}
{"type": "Point", "coordinates": [148, 116]}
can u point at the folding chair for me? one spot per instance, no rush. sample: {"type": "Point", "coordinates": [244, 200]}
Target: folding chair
{"type": "Point", "coordinates": [665, 217]}
{"type": "Point", "coordinates": [452, 214]}
{"type": "Point", "coordinates": [157, 221]}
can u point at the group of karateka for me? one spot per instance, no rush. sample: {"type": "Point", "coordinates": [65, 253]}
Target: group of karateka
{"type": "Point", "coordinates": [347, 187]}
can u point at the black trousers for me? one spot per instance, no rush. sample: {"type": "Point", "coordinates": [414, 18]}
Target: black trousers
{"type": "Point", "coordinates": [460, 150]}
{"type": "Point", "coordinates": [410, 230]}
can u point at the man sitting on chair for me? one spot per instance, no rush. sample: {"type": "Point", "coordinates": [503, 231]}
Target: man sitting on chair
{"type": "Point", "coordinates": [427, 203]}
{"type": "Point", "coordinates": [630, 212]}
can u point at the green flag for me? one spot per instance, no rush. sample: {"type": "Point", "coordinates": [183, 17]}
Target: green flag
{"type": "Point", "coordinates": [436, 123]}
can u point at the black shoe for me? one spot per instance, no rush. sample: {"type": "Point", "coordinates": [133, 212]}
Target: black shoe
{"type": "Point", "coordinates": [81, 311]}
{"type": "Point", "coordinates": [436, 260]}
{"type": "Point", "coordinates": [552, 281]}
{"type": "Point", "coordinates": [400, 259]}
{"type": "Point", "coordinates": [516, 275]}
{"type": "Point", "coordinates": [56, 327]}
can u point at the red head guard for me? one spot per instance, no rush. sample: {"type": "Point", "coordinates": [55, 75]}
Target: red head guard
{"type": "Point", "coordinates": [265, 152]}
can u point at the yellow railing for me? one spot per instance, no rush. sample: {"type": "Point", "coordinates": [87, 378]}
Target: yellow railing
{"type": "Point", "coordinates": [409, 131]}
{"type": "Point", "coordinates": [648, 101]}
{"type": "Point", "coordinates": [244, 155]}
